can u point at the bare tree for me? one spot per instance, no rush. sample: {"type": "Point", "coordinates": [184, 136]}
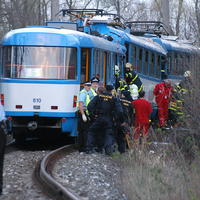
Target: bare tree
{"type": "Point", "coordinates": [180, 5]}
{"type": "Point", "coordinates": [197, 13]}
{"type": "Point", "coordinates": [54, 10]}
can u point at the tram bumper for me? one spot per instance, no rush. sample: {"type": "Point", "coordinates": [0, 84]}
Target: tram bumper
{"type": "Point", "coordinates": [68, 124]}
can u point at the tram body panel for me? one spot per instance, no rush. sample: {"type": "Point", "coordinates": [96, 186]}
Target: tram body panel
{"type": "Point", "coordinates": [44, 96]}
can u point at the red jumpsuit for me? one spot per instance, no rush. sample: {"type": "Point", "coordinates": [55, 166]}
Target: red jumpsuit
{"type": "Point", "coordinates": [162, 92]}
{"type": "Point", "coordinates": [143, 110]}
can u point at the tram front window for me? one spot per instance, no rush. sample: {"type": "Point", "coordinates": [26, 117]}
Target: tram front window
{"type": "Point", "coordinates": [40, 62]}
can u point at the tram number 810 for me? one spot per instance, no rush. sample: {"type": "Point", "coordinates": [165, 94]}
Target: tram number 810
{"type": "Point", "coordinates": [37, 100]}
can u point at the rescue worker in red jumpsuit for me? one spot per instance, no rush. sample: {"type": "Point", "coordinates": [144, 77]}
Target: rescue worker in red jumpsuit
{"type": "Point", "coordinates": [143, 110]}
{"type": "Point", "coordinates": [162, 93]}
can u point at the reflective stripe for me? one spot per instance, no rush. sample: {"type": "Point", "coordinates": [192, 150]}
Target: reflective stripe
{"type": "Point", "coordinates": [162, 70]}
{"type": "Point", "coordinates": [134, 78]}
{"type": "Point", "coordinates": [180, 113]}
{"type": "Point", "coordinates": [140, 88]}
{"type": "Point", "coordinates": [172, 108]}
{"type": "Point", "coordinates": [87, 97]}
{"type": "Point", "coordinates": [93, 92]}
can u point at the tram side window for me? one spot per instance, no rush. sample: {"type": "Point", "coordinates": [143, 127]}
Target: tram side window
{"type": "Point", "coordinates": [85, 64]}
{"type": "Point", "coordinates": [99, 64]}
{"type": "Point", "coordinates": [145, 70]}
{"type": "Point", "coordinates": [169, 63]}
{"type": "Point", "coordinates": [41, 63]}
{"type": "Point", "coordinates": [134, 56]}
{"type": "Point", "coordinates": [114, 58]}
{"type": "Point", "coordinates": [109, 68]}
{"type": "Point", "coordinates": [131, 55]}
{"type": "Point", "coordinates": [158, 66]}
{"type": "Point", "coordinates": [181, 63]}
{"type": "Point", "coordinates": [175, 62]}
{"type": "Point", "coordinates": [1, 60]}
{"type": "Point", "coordinates": [184, 62]}
{"type": "Point", "coordinates": [6, 61]}
{"type": "Point", "coordinates": [128, 48]}
{"type": "Point", "coordinates": [121, 63]}
{"type": "Point", "coordinates": [140, 60]}
{"type": "Point", "coordinates": [188, 62]}
{"type": "Point", "coordinates": [71, 64]}
{"type": "Point", "coordinates": [151, 64]}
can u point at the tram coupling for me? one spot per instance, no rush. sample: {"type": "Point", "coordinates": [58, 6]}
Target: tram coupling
{"type": "Point", "coordinates": [32, 125]}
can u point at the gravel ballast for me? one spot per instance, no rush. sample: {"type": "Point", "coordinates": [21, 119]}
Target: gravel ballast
{"type": "Point", "coordinates": [18, 171]}
{"type": "Point", "coordinates": [92, 176]}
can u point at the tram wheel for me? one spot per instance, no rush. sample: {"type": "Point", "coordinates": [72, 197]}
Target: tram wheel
{"type": "Point", "coordinates": [19, 136]}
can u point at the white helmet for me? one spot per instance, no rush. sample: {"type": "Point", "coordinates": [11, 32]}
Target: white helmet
{"type": "Point", "coordinates": [128, 65]}
{"type": "Point", "coordinates": [117, 70]}
{"type": "Point", "coordinates": [187, 74]}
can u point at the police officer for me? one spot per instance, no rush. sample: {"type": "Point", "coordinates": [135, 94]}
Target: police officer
{"type": "Point", "coordinates": [103, 106]}
{"type": "Point", "coordinates": [132, 77]}
{"type": "Point", "coordinates": [94, 86]}
{"type": "Point", "coordinates": [2, 144]}
{"type": "Point", "coordinates": [83, 120]}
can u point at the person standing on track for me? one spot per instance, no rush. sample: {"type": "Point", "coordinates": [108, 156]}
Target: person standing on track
{"type": "Point", "coordinates": [104, 106]}
{"type": "Point", "coordinates": [162, 93]}
{"type": "Point", "coordinates": [143, 110]}
{"type": "Point", "coordinates": [83, 120]}
{"type": "Point", "coordinates": [2, 144]}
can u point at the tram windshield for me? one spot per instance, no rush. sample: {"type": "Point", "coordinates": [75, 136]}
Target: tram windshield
{"type": "Point", "coordinates": [40, 62]}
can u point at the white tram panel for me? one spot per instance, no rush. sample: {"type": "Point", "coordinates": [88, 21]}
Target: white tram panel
{"type": "Point", "coordinates": [43, 95]}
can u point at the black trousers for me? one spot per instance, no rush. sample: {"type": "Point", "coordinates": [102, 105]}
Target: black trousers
{"type": "Point", "coordinates": [120, 138]}
{"type": "Point", "coordinates": [2, 151]}
{"type": "Point", "coordinates": [103, 127]}
{"type": "Point", "coordinates": [82, 132]}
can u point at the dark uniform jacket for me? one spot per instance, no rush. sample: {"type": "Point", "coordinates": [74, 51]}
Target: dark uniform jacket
{"type": "Point", "coordinates": [127, 110]}
{"type": "Point", "coordinates": [105, 105]}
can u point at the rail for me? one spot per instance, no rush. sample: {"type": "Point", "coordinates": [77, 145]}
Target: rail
{"type": "Point", "coordinates": [46, 179]}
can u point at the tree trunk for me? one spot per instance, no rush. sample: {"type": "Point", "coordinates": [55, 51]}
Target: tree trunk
{"type": "Point", "coordinates": [180, 6]}
{"type": "Point", "coordinates": [197, 13]}
{"type": "Point", "coordinates": [54, 10]}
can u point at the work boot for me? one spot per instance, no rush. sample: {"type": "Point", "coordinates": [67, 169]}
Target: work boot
{"type": "Point", "coordinates": [108, 151]}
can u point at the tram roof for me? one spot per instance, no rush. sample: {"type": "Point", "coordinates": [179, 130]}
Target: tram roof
{"type": "Point", "coordinates": [124, 37]}
{"type": "Point", "coordinates": [147, 43]}
{"type": "Point", "coordinates": [45, 36]}
{"type": "Point", "coordinates": [177, 46]}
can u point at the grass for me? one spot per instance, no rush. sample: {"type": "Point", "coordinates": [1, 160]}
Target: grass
{"type": "Point", "coordinates": [162, 175]}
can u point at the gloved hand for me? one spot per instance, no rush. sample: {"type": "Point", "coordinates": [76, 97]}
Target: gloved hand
{"type": "Point", "coordinates": [84, 117]}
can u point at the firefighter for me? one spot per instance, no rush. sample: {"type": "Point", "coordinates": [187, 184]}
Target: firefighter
{"type": "Point", "coordinates": [176, 115]}
{"type": "Point", "coordinates": [132, 77]}
{"type": "Point", "coordinates": [122, 125]}
{"type": "Point", "coordinates": [143, 110]}
{"type": "Point", "coordinates": [103, 106]}
{"type": "Point", "coordinates": [185, 86]}
{"type": "Point", "coordinates": [83, 120]}
{"type": "Point", "coordinates": [121, 85]}
{"type": "Point", "coordinates": [2, 144]}
{"type": "Point", "coordinates": [162, 93]}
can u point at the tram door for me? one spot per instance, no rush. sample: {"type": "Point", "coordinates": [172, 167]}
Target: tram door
{"type": "Point", "coordinates": [85, 64]}
{"type": "Point", "coordinates": [105, 68]}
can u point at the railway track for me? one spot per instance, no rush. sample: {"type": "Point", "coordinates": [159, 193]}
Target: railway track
{"type": "Point", "coordinates": [43, 175]}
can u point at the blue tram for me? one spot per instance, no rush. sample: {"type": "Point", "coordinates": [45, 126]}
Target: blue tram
{"type": "Point", "coordinates": [42, 69]}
